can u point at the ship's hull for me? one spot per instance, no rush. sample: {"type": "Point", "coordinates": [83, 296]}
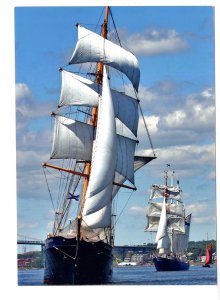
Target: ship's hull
{"type": "Point", "coordinates": [206, 266]}
{"type": "Point", "coordinates": [170, 264]}
{"type": "Point", "coordinates": [70, 262]}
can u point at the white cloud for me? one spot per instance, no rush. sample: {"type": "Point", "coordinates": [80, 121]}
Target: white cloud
{"type": "Point", "coordinates": [30, 158]}
{"type": "Point", "coordinates": [202, 212]}
{"type": "Point", "coordinates": [189, 154]}
{"type": "Point", "coordinates": [22, 225]}
{"type": "Point", "coordinates": [191, 161]}
{"type": "Point", "coordinates": [154, 41]}
{"type": "Point", "coordinates": [175, 119]}
{"type": "Point", "coordinates": [152, 124]}
{"type": "Point", "coordinates": [30, 140]}
{"type": "Point", "coordinates": [182, 120]}
{"type": "Point", "coordinates": [137, 211]}
{"type": "Point", "coordinates": [26, 106]}
{"type": "Point", "coordinates": [198, 112]}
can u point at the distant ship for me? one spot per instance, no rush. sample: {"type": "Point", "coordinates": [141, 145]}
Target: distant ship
{"type": "Point", "coordinates": [166, 216]}
{"type": "Point", "coordinates": [127, 264]}
{"type": "Point", "coordinates": [93, 149]}
{"type": "Point", "coordinates": [208, 256]}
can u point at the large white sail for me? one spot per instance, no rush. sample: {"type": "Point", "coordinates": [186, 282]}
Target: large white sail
{"type": "Point", "coordinates": [77, 90]}
{"type": "Point", "coordinates": [99, 192]}
{"type": "Point", "coordinates": [160, 190]}
{"type": "Point", "coordinates": [72, 139]}
{"type": "Point", "coordinates": [174, 209]}
{"type": "Point", "coordinates": [91, 47]}
{"type": "Point", "coordinates": [180, 241]}
{"type": "Point", "coordinates": [175, 216]}
{"type": "Point", "coordinates": [139, 162]}
{"type": "Point", "coordinates": [162, 227]}
{"type": "Point", "coordinates": [176, 224]}
{"type": "Point", "coordinates": [99, 219]}
{"type": "Point", "coordinates": [125, 157]}
{"type": "Point", "coordinates": [164, 244]}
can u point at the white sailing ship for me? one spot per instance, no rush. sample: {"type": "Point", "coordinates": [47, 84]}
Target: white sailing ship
{"type": "Point", "coordinates": [94, 142]}
{"type": "Point", "coordinates": [166, 217]}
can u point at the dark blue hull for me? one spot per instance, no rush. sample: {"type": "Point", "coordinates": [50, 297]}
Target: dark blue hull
{"type": "Point", "coordinates": [170, 264]}
{"type": "Point", "coordinates": [206, 266]}
{"type": "Point", "coordinates": [70, 262]}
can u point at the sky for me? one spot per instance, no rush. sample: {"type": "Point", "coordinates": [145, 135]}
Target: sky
{"type": "Point", "coordinates": [174, 44]}
{"type": "Point", "coordinates": [175, 49]}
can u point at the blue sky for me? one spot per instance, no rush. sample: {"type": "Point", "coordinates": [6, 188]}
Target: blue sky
{"type": "Point", "coordinates": [175, 48]}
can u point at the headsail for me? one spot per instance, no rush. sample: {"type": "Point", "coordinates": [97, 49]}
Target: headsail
{"type": "Point", "coordinates": [99, 190]}
{"type": "Point", "coordinates": [162, 227]}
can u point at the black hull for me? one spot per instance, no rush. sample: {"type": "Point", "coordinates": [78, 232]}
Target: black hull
{"type": "Point", "coordinates": [206, 266]}
{"type": "Point", "coordinates": [170, 264]}
{"type": "Point", "coordinates": [68, 262]}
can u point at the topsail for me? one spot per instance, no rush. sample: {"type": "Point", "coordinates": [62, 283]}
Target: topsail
{"type": "Point", "coordinates": [91, 47]}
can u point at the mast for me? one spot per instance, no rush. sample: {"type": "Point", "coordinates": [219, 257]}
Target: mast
{"type": "Point", "coordinates": [93, 121]}
{"type": "Point", "coordinates": [165, 198]}
{"type": "Point", "coordinates": [166, 177]}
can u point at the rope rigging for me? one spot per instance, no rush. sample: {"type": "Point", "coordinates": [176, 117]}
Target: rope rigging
{"type": "Point", "coordinates": [49, 190]}
{"type": "Point", "coordinates": [123, 208]}
{"type": "Point", "coordinates": [145, 124]}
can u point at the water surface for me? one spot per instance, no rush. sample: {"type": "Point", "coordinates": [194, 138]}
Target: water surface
{"type": "Point", "coordinates": [139, 275]}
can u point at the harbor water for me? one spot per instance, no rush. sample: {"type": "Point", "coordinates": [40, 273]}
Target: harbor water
{"type": "Point", "coordinates": [139, 275]}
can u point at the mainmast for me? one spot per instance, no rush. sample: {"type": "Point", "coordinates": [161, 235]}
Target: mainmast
{"type": "Point", "coordinates": [166, 177]}
{"type": "Point", "coordinates": [94, 117]}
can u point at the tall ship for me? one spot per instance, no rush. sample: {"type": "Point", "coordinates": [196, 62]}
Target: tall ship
{"type": "Point", "coordinates": [93, 156]}
{"type": "Point", "coordinates": [166, 217]}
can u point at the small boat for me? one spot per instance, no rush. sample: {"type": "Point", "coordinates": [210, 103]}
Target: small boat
{"type": "Point", "coordinates": [208, 258]}
{"type": "Point", "coordinates": [93, 155]}
{"type": "Point", "coordinates": [166, 217]}
{"type": "Point", "coordinates": [127, 264]}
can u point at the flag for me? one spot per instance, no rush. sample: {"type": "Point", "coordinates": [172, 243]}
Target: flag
{"type": "Point", "coordinates": [71, 196]}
